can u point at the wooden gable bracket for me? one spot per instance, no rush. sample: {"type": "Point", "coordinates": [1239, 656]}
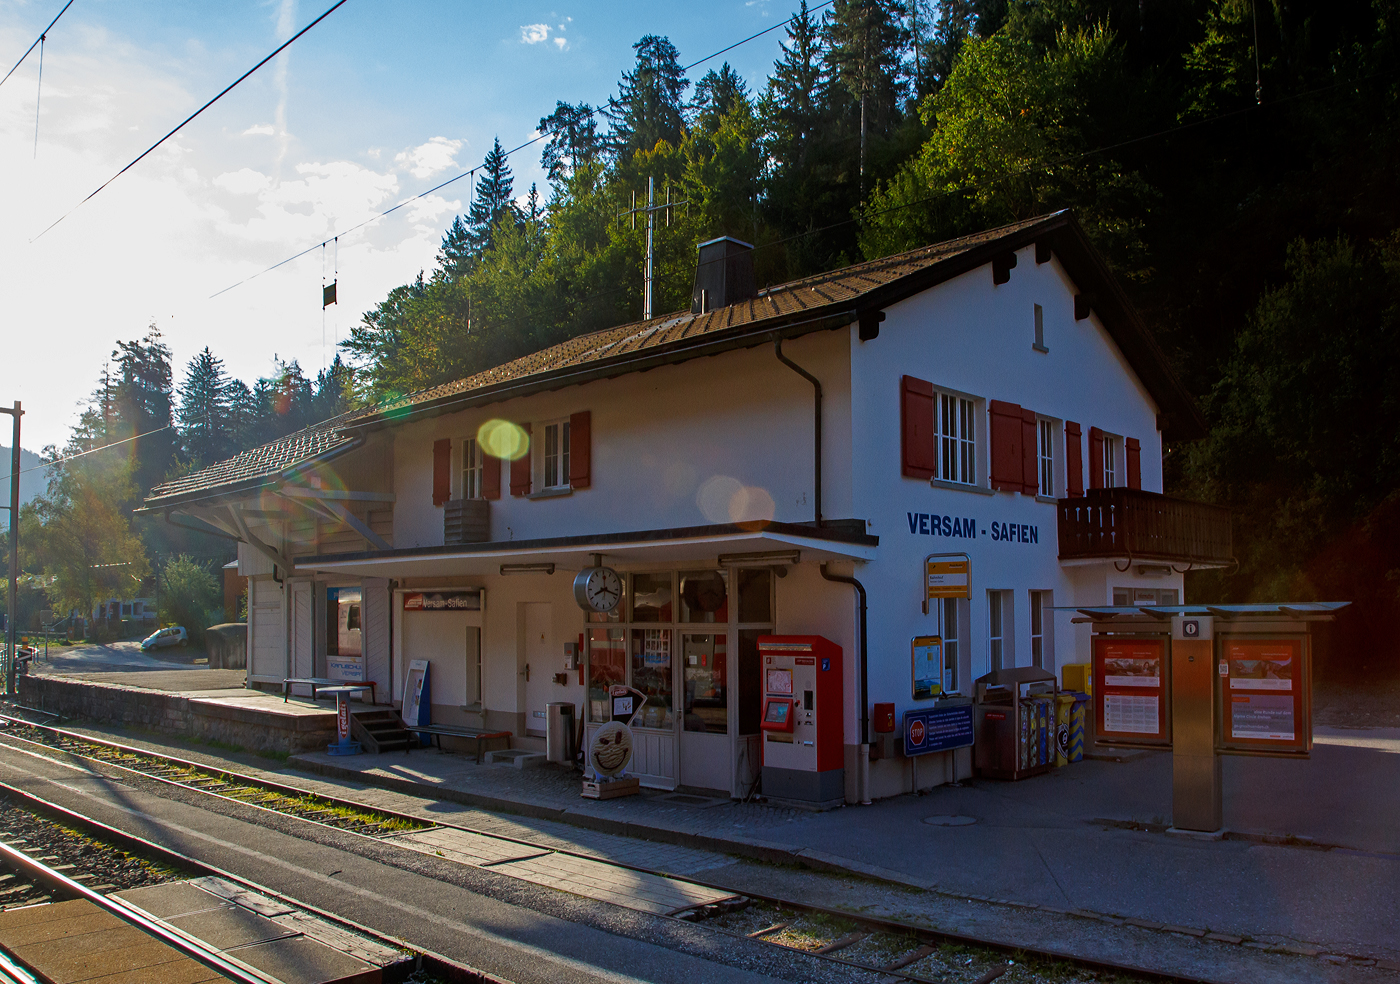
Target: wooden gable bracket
{"type": "Point", "coordinates": [1083, 306]}
{"type": "Point", "coordinates": [1002, 265]}
{"type": "Point", "coordinates": [276, 556]}
{"type": "Point", "coordinates": [1043, 252]}
{"type": "Point", "coordinates": [870, 324]}
{"type": "Point", "coordinates": [326, 504]}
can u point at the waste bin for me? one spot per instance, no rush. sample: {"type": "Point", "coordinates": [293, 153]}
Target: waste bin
{"type": "Point", "coordinates": [559, 732]}
{"type": "Point", "coordinates": [1064, 707]}
{"type": "Point", "coordinates": [1077, 723]}
{"type": "Point", "coordinates": [1013, 726]}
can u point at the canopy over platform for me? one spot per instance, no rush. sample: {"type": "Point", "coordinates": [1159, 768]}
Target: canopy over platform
{"type": "Point", "coordinates": [1310, 611]}
{"type": "Point", "coordinates": [700, 545]}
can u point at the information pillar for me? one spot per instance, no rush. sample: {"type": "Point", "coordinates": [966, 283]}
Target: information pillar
{"type": "Point", "coordinates": [1196, 785]}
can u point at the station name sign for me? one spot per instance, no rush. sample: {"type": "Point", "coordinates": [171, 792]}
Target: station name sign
{"type": "Point", "coordinates": [935, 524]}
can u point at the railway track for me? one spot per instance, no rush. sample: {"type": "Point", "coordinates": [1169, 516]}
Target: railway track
{"type": "Point", "coordinates": [892, 949]}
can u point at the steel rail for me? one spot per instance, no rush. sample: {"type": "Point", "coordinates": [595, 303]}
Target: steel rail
{"type": "Point", "coordinates": [171, 936]}
{"type": "Point", "coordinates": [175, 858]}
{"type": "Point", "coordinates": [886, 925]}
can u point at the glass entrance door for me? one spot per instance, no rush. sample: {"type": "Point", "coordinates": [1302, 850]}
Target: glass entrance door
{"type": "Point", "coordinates": [705, 697]}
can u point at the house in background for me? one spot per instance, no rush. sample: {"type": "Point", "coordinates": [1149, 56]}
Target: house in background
{"type": "Point", "coordinates": [750, 467]}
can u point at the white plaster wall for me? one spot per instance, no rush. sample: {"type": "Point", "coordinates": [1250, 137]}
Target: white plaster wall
{"type": "Point", "coordinates": [970, 336]}
{"type": "Point", "coordinates": [657, 438]}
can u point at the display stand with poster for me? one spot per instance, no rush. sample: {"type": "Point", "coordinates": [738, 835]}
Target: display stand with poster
{"type": "Point", "coordinates": [1263, 698]}
{"type": "Point", "coordinates": [1132, 702]}
{"type": "Point", "coordinates": [417, 698]}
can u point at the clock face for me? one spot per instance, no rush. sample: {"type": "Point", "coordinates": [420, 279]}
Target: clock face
{"type": "Point", "coordinates": [598, 589]}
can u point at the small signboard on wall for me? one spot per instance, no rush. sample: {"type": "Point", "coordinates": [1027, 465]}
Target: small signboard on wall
{"type": "Point", "coordinates": [927, 655]}
{"type": "Point", "coordinates": [946, 576]}
{"type": "Point", "coordinates": [443, 601]}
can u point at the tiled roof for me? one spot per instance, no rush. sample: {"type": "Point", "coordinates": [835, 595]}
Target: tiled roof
{"type": "Point", "coordinates": [807, 296]}
{"type": "Point", "coordinates": [873, 283]}
{"type": "Point", "coordinates": [263, 462]}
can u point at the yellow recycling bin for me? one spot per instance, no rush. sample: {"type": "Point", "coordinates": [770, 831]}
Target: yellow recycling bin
{"type": "Point", "coordinates": [1063, 705]}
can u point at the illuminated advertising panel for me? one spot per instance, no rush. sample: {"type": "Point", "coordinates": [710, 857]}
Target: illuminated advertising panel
{"type": "Point", "coordinates": [1131, 690]}
{"type": "Point", "coordinates": [1264, 694]}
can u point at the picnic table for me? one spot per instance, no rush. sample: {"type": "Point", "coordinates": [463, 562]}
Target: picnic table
{"type": "Point", "coordinates": [318, 684]}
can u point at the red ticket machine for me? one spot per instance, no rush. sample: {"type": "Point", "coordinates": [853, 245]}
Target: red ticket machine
{"type": "Point", "coordinates": [803, 720]}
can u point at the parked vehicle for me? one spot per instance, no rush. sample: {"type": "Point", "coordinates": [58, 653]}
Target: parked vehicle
{"type": "Point", "coordinates": [174, 635]}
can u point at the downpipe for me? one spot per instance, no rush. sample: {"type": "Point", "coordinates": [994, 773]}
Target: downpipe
{"type": "Point", "coordinates": [863, 759]}
{"type": "Point", "coordinates": [817, 428]}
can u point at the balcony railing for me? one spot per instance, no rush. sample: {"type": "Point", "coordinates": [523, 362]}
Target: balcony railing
{"type": "Point", "coordinates": [1144, 526]}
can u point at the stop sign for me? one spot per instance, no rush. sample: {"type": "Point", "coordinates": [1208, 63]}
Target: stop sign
{"type": "Point", "coordinates": [916, 732]}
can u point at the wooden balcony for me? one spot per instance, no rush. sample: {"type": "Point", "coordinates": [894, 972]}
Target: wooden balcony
{"type": "Point", "coordinates": [1129, 524]}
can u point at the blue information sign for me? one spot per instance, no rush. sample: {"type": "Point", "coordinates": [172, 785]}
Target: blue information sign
{"type": "Point", "coordinates": [937, 729]}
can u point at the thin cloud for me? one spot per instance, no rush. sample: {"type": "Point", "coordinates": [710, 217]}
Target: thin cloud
{"type": "Point", "coordinates": [425, 160]}
{"type": "Point", "coordinates": [260, 130]}
{"type": "Point", "coordinates": [534, 33]}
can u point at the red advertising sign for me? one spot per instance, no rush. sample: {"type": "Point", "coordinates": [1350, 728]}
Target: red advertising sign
{"type": "Point", "coordinates": [1130, 689]}
{"type": "Point", "coordinates": [1264, 699]}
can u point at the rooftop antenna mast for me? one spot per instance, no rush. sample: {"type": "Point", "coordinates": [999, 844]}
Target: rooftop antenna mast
{"type": "Point", "coordinates": [650, 210]}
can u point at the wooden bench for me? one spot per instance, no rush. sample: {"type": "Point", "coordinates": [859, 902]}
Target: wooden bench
{"type": "Point", "coordinates": [476, 734]}
{"type": "Point", "coordinates": [316, 683]}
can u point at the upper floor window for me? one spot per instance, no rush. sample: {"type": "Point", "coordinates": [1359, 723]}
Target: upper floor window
{"type": "Point", "coordinates": [957, 439]}
{"type": "Point", "coordinates": [1045, 455]}
{"type": "Point", "coordinates": [1039, 343]}
{"type": "Point", "coordinates": [1112, 448]}
{"type": "Point", "coordinates": [555, 458]}
{"type": "Point", "coordinates": [471, 469]}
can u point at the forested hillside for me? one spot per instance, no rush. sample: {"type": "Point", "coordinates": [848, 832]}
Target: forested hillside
{"type": "Point", "coordinates": [1235, 161]}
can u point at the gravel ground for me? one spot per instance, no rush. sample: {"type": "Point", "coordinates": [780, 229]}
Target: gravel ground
{"type": "Point", "coordinates": [947, 962]}
{"type": "Point", "coordinates": [101, 866]}
{"type": "Point", "coordinates": [1375, 705]}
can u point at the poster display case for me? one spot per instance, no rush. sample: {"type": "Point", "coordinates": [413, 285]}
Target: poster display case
{"type": "Point", "coordinates": [1264, 695]}
{"type": "Point", "coordinates": [1132, 695]}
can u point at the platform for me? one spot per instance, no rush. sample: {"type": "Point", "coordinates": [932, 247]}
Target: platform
{"type": "Point", "coordinates": [251, 719]}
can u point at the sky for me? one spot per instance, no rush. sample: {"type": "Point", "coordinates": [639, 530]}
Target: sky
{"type": "Point", "coordinates": [374, 105]}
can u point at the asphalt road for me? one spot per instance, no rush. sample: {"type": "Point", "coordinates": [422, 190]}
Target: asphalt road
{"type": "Point", "coordinates": [514, 930]}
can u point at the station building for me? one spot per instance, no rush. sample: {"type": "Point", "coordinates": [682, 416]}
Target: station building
{"type": "Point", "coordinates": [740, 465]}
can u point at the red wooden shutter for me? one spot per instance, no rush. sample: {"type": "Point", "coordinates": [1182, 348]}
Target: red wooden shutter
{"type": "Point", "coordinates": [920, 444]}
{"type": "Point", "coordinates": [520, 470]}
{"type": "Point", "coordinates": [1007, 441]}
{"type": "Point", "coordinates": [442, 471]}
{"type": "Point", "coordinates": [490, 476]}
{"type": "Point", "coordinates": [581, 449]}
{"type": "Point", "coordinates": [1095, 458]}
{"type": "Point", "coordinates": [1074, 461]}
{"type": "Point", "coordinates": [1030, 454]}
{"type": "Point", "coordinates": [1134, 462]}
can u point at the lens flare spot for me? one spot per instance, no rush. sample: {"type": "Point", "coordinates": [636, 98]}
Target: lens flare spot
{"type": "Point", "coordinates": [714, 495]}
{"type": "Point", "coordinates": [502, 439]}
{"type": "Point", "coordinates": [751, 507]}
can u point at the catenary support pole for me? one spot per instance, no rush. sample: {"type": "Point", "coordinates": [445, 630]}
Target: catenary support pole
{"type": "Point", "coordinates": [11, 621]}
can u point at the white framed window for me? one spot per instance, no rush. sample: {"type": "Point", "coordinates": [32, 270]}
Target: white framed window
{"type": "Point", "coordinates": [1045, 455]}
{"type": "Point", "coordinates": [1039, 343]}
{"type": "Point", "coordinates": [1112, 448]}
{"type": "Point", "coordinates": [950, 631]}
{"type": "Point", "coordinates": [957, 438]}
{"type": "Point", "coordinates": [1000, 641]}
{"type": "Point", "coordinates": [554, 460]}
{"type": "Point", "coordinates": [471, 469]}
{"type": "Point", "coordinates": [1042, 626]}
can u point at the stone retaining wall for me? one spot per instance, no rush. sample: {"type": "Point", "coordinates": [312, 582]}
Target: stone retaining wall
{"type": "Point", "coordinates": [176, 714]}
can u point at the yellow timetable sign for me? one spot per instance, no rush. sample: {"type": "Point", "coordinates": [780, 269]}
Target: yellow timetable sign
{"type": "Point", "coordinates": [947, 578]}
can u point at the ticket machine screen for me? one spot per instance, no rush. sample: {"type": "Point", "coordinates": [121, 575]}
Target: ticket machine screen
{"type": "Point", "coordinates": [779, 681]}
{"type": "Point", "coordinates": [777, 714]}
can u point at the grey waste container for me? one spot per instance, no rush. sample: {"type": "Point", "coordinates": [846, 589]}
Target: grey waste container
{"type": "Point", "coordinates": [559, 732]}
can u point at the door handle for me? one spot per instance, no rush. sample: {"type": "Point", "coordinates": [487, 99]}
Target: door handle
{"type": "Point", "coordinates": [527, 672]}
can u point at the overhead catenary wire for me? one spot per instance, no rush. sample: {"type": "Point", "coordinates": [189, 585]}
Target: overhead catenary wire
{"type": "Point", "coordinates": [471, 172]}
{"type": "Point", "coordinates": [277, 51]}
{"type": "Point", "coordinates": [38, 95]}
{"type": "Point", "coordinates": [81, 454]}
{"type": "Point", "coordinates": [37, 42]}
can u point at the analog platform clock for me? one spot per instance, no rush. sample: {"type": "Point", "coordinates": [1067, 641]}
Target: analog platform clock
{"type": "Point", "coordinates": [597, 589]}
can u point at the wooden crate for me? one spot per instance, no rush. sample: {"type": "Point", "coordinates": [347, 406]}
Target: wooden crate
{"type": "Point", "coordinates": [601, 789]}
